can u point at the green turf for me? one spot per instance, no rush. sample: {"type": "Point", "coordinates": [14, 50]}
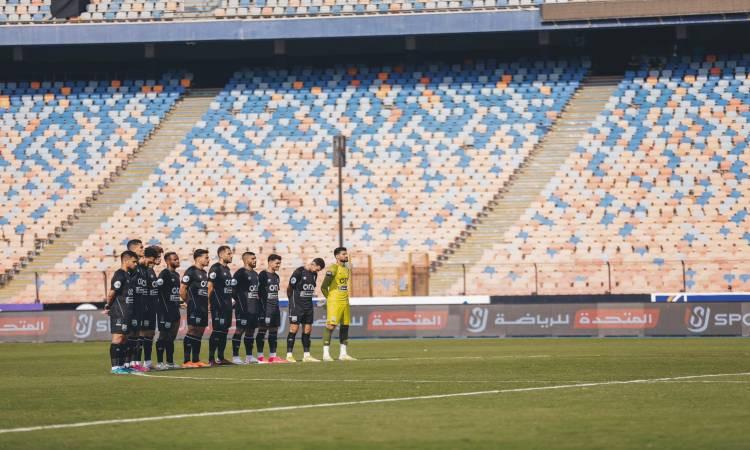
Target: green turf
{"type": "Point", "coordinates": [44, 384]}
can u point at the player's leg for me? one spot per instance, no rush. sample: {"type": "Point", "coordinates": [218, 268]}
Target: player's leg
{"type": "Point", "coordinates": [273, 337]}
{"type": "Point", "coordinates": [260, 340]}
{"type": "Point", "coordinates": [118, 347]}
{"type": "Point", "coordinates": [240, 327]}
{"type": "Point", "coordinates": [226, 324]}
{"type": "Point", "coordinates": [344, 333]}
{"type": "Point", "coordinates": [291, 337]}
{"type": "Point", "coordinates": [148, 327]}
{"type": "Point", "coordinates": [170, 345]}
{"type": "Point", "coordinates": [218, 339]}
{"type": "Point", "coordinates": [213, 338]}
{"type": "Point", "coordinates": [306, 342]}
{"type": "Point", "coordinates": [334, 314]}
{"type": "Point", "coordinates": [252, 324]}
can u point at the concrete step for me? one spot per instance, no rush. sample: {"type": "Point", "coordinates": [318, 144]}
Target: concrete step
{"type": "Point", "coordinates": [524, 187]}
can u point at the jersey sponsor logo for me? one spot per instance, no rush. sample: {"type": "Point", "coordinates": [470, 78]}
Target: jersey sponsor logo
{"type": "Point", "coordinates": [204, 283]}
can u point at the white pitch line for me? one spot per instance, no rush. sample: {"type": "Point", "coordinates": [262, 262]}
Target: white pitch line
{"type": "Point", "coordinates": [353, 403]}
{"type": "Point", "coordinates": [431, 358]}
{"type": "Point", "coordinates": [344, 380]}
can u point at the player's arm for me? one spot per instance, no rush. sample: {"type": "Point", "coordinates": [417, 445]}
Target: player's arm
{"type": "Point", "coordinates": [292, 284]}
{"type": "Point", "coordinates": [326, 286]}
{"type": "Point", "coordinates": [184, 286]}
{"type": "Point", "coordinates": [114, 288]}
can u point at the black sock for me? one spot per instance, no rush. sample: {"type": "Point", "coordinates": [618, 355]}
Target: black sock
{"type": "Point", "coordinates": [259, 341]}
{"type": "Point", "coordinates": [272, 337]}
{"type": "Point", "coordinates": [132, 344]}
{"type": "Point", "coordinates": [222, 345]}
{"type": "Point", "coordinates": [306, 342]}
{"type": "Point", "coordinates": [148, 347]}
{"type": "Point", "coordinates": [121, 350]}
{"type": "Point", "coordinates": [113, 354]}
{"type": "Point", "coordinates": [249, 343]}
{"type": "Point", "coordinates": [169, 347]}
{"type": "Point", "coordinates": [161, 346]}
{"type": "Point", "coordinates": [197, 348]}
{"type": "Point", "coordinates": [344, 334]}
{"type": "Point", "coordinates": [213, 342]}
{"type": "Point", "coordinates": [138, 349]}
{"type": "Point", "coordinates": [290, 338]}
{"type": "Point", "coordinates": [236, 342]}
{"type": "Point", "coordinates": [187, 347]}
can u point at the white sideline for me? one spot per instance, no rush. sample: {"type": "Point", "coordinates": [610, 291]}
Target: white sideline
{"type": "Point", "coordinates": [345, 380]}
{"type": "Point", "coordinates": [351, 403]}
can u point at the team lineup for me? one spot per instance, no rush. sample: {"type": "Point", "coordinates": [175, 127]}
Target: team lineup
{"type": "Point", "coordinates": [139, 302]}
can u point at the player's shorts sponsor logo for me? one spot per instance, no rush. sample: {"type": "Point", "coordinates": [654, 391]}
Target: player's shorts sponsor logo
{"type": "Point", "coordinates": [476, 319]}
{"type": "Point", "coordinates": [243, 322]}
{"type": "Point", "coordinates": [407, 320]}
{"type": "Point", "coordinates": [24, 326]}
{"type": "Point", "coordinates": [293, 319]}
{"type": "Point", "coordinates": [617, 318]}
{"type": "Point", "coordinates": [699, 318]}
{"type": "Point", "coordinates": [85, 323]}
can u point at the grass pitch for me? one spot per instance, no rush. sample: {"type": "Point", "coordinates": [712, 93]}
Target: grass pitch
{"type": "Point", "coordinates": [46, 384]}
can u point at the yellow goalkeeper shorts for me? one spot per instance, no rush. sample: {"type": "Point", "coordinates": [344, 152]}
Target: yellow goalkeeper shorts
{"type": "Point", "coordinates": [338, 313]}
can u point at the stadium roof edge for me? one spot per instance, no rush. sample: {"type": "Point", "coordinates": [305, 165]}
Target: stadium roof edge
{"type": "Point", "coordinates": [321, 27]}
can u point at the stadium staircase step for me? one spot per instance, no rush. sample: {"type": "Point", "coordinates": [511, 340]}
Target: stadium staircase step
{"type": "Point", "coordinates": [178, 122]}
{"type": "Point", "coordinates": [524, 185]}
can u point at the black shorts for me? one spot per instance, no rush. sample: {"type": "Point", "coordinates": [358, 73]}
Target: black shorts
{"type": "Point", "coordinates": [245, 320]}
{"type": "Point", "coordinates": [119, 324]}
{"type": "Point", "coordinates": [301, 313]}
{"type": "Point", "coordinates": [271, 319]}
{"type": "Point", "coordinates": [221, 320]}
{"type": "Point", "coordinates": [198, 318]}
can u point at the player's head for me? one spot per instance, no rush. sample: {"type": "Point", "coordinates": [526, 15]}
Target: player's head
{"type": "Point", "coordinates": [225, 254]}
{"type": "Point", "coordinates": [316, 265]}
{"type": "Point", "coordinates": [200, 257]}
{"type": "Point", "coordinates": [341, 254]}
{"type": "Point", "coordinates": [150, 254]}
{"type": "Point", "coordinates": [160, 251]}
{"type": "Point", "coordinates": [128, 260]}
{"type": "Point", "coordinates": [249, 260]}
{"type": "Point", "coordinates": [135, 246]}
{"type": "Point", "coordinates": [172, 260]}
{"type": "Point", "coordinates": [274, 262]}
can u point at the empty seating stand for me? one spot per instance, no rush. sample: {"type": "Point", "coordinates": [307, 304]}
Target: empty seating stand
{"type": "Point", "coordinates": [429, 146]}
{"type": "Point", "coordinates": [654, 198]}
{"type": "Point", "coordinates": [60, 141]}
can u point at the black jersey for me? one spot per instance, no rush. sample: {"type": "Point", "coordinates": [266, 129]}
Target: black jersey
{"type": "Point", "coordinates": [269, 290]}
{"type": "Point", "coordinates": [246, 291]}
{"type": "Point", "coordinates": [303, 283]}
{"type": "Point", "coordinates": [153, 285]}
{"type": "Point", "coordinates": [221, 277]}
{"type": "Point", "coordinates": [169, 294]}
{"type": "Point", "coordinates": [124, 302]}
{"type": "Point", "coordinates": [141, 283]}
{"type": "Point", "coordinates": [196, 281]}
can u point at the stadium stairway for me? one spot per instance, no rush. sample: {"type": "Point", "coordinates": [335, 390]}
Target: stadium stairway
{"type": "Point", "coordinates": [525, 184]}
{"type": "Point", "coordinates": [112, 195]}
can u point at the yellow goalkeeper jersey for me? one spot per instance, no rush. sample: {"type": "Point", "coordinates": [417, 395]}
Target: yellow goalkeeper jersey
{"type": "Point", "coordinates": [338, 287]}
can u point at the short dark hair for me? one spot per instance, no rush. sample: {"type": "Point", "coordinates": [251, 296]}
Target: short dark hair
{"type": "Point", "coordinates": [133, 242]}
{"type": "Point", "coordinates": [158, 249]}
{"type": "Point", "coordinates": [151, 252]}
{"type": "Point", "coordinates": [222, 249]}
{"type": "Point", "coordinates": [247, 254]}
{"type": "Point", "coordinates": [200, 252]}
{"type": "Point", "coordinates": [274, 257]}
{"type": "Point", "coordinates": [338, 250]}
{"type": "Point", "coordinates": [319, 262]}
{"type": "Point", "coordinates": [127, 254]}
{"type": "Point", "coordinates": [169, 255]}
